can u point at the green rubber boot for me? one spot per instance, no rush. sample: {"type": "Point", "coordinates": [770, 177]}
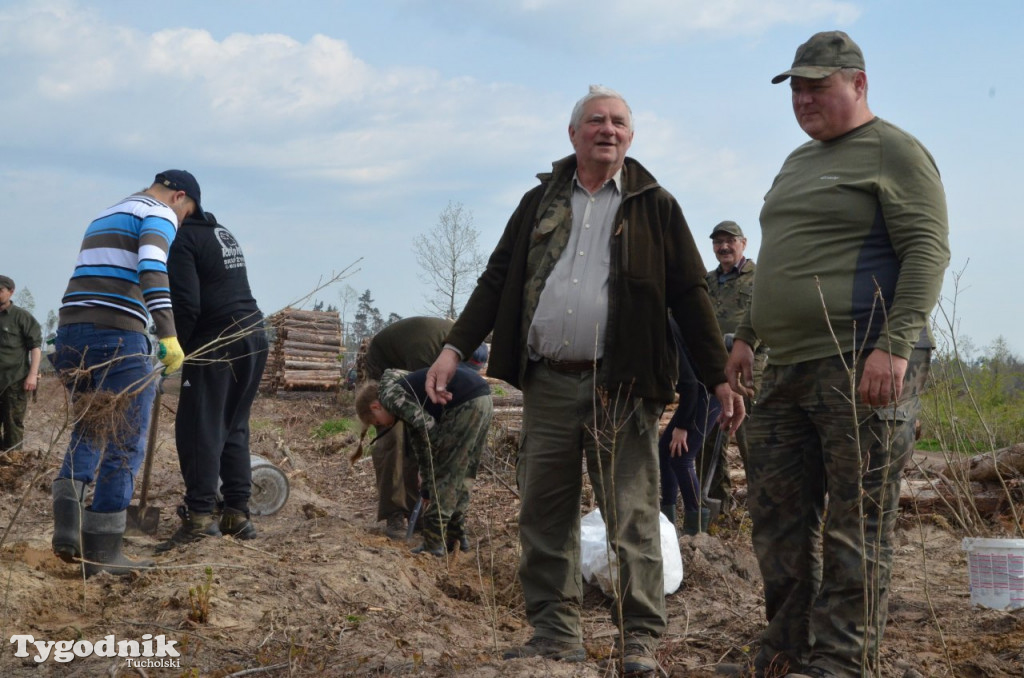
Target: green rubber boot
{"type": "Point", "coordinates": [102, 535]}
{"type": "Point", "coordinates": [691, 523]}
{"type": "Point", "coordinates": [696, 521]}
{"type": "Point", "coordinates": [68, 500]}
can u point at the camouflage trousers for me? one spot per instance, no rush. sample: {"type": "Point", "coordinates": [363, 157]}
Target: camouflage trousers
{"type": "Point", "coordinates": [620, 444]}
{"type": "Point", "coordinates": [396, 473]}
{"type": "Point", "coordinates": [13, 404]}
{"type": "Point", "coordinates": [824, 479]}
{"type": "Point", "coordinates": [449, 469]}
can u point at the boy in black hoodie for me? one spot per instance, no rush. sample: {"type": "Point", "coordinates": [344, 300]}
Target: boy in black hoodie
{"type": "Point", "coordinates": [221, 330]}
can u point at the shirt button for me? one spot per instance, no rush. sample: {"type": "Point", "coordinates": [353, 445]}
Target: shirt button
{"type": "Point", "coordinates": [569, 311]}
{"type": "Point", "coordinates": [581, 253]}
{"type": "Point", "coordinates": [575, 281]}
{"type": "Point", "coordinates": [565, 343]}
{"type": "Point", "coordinates": [586, 225]}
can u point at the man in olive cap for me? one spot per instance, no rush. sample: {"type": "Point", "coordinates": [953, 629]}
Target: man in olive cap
{"type": "Point", "coordinates": [119, 285]}
{"type": "Point", "coordinates": [20, 339]}
{"type": "Point", "coordinates": [730, 285]}
{"type": "Point", "coordinates": [854, 245]}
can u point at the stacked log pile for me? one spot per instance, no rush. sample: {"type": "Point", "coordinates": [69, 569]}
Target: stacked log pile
{"type": "Point", "coordinates": [986, 483]}
{"type": "Point", "coordinates": [304, 354]}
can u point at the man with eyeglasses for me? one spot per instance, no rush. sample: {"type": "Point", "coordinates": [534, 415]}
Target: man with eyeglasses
{"type": "Point", "coordinates": [730, 285]}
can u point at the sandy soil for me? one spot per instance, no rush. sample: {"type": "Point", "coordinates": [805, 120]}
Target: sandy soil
{"type": "Point", "coordinates": [324, 592]}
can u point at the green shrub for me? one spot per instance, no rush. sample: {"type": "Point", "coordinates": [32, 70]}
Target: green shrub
{"type": "Point", "coordinates": [334, 426]}
{"type": "Point", "coordinates": [973, 403]}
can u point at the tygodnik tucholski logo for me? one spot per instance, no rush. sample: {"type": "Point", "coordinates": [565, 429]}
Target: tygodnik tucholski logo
{"type": "Point", "coordinates": [151, 652]}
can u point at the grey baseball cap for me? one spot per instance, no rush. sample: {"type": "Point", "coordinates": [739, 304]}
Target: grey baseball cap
{"type": "Point", "coordinates": [822, 55]}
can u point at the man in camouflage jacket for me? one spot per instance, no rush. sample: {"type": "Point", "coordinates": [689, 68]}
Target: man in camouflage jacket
{"type": "Point", "coordinates": [730, 285]}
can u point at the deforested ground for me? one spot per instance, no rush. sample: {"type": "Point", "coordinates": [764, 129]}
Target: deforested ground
{"type": "Point", "coordinates": [323, 592]}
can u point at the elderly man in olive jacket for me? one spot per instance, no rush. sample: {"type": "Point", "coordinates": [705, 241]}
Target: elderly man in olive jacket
{"type": "Point", "coordinates": [577, 293]}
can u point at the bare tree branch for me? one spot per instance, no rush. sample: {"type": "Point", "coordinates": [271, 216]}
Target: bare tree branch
{"type": "Point", "coordinates": [449, 259]}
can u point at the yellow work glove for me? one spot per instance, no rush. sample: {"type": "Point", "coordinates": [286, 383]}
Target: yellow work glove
{"type": "Point", "coordinates": [171, 355]}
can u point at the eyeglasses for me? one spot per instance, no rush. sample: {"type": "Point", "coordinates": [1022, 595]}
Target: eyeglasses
{"type": "Point", "coordinates": [724, 241]}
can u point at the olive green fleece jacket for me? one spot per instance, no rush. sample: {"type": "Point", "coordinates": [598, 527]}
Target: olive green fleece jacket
{"type": "Point", "coordinates": [848, 223]}
{"type": "Point", "coordinates": [655, 267]}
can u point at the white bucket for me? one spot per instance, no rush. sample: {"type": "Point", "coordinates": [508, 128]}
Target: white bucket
{"type": "Point", "coordinates": [995, 568]}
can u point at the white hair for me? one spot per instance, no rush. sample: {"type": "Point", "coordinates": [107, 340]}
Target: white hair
{"type": "Point", "coordinates": [597, 92]}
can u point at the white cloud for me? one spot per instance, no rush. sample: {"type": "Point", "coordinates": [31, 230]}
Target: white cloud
{"type": "Point", "coordinates": [310, 109]}
{"type": "Point", "coordinates": [641, 22]}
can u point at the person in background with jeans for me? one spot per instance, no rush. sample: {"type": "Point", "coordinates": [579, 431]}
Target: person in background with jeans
{"type": "Point", "coordinates": [695, 415]}
{"type": "Point", "coordinates": [103, 353]}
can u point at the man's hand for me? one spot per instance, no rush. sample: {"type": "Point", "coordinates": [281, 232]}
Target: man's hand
{"type": "Point", "coordinates": [678, 445]}
{"type": "Point", "coordinates": [881, 382]}
{"type": "Point", "coordinates": [438, 376]}
{"type": "Point", "coordinates": [171, 355]}
{"type": "Point", "coordinates": [740, 368]}
{"type": "Point", "coordinates": [733, 409]}
{"type": "Point", "coordinates": [31, 382]}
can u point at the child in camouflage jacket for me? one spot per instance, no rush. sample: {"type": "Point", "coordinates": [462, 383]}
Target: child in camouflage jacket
{"type": "Point", "coordinates": [447, 440]}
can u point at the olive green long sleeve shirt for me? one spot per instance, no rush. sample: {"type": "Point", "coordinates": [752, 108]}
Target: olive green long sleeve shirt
{"type": "Point", "coordinates": [855, 238]}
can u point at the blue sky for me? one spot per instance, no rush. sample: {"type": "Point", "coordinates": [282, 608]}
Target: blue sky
{"type": "Point", "coordinates": [324, 132]}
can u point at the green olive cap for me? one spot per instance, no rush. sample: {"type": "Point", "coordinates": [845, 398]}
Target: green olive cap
{"type": "Point", "coordinates": [730, 227]}
{"type": "Point", "coordinates": [822, 55]}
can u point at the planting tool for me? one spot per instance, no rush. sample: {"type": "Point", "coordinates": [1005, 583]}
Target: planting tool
{"type": "Point", "coordinates": [413, 517]}
{"type": "Point", "coordinates": [714, 506]}
{"type": "Point", "coordinates": [144, 519]}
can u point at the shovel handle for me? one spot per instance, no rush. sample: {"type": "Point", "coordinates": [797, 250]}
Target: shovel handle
{"type": "Point", "coordinates": [147, 465]}
{"type": "Point", "coordinates": [716, 454]}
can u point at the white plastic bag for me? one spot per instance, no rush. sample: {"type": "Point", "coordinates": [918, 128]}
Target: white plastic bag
{"type": "Point", "coordinates": [594, 552]}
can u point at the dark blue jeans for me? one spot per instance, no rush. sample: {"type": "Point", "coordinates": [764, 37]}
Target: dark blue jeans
{"type": "Point", "coordinates": [92, 359]}
{"type": "Point", "coordinates": [678, 474]}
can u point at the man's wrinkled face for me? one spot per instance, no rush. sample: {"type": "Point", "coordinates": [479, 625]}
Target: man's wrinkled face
{"type": "Point", "coordinates": [5, 296]}
{"type": "Point", "coordinates": [728, 250]}
{"type": "Point", "coordinates": [827, 108]}
{"type": "Point", "coordinates": [604, 134]}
